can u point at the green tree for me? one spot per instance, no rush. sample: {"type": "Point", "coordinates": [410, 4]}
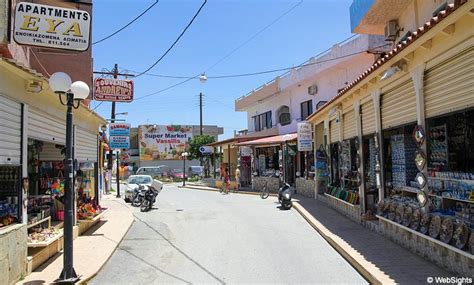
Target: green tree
{"type": "Point", "coordinates": [195, 143]}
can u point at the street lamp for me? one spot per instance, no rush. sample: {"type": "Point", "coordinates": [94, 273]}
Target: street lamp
{"type": "Point", "coordinates": [60, 83]}
{"type": "Point", "coordinates": [184, 154]}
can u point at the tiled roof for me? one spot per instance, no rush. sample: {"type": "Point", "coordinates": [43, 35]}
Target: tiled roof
{"type": "Point", "coordinates": [399, 47]}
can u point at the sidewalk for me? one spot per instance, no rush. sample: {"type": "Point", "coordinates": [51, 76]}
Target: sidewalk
{"type": "Point", "coordinates": [374, 256]}
{"type": "Point", "coordinates": [93, 248]}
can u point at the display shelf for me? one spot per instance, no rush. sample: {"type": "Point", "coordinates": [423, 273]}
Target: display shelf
{"type": "Point", "coordinates": [345, 202]}
{"type": "Point", "coordinates": [93, 220]}
{"type": "Point", "coordinates": [45, 243]}
{"type": "Point", "coordinates": [410, 189]}
{"type": "Point", "coordinates": [448, 246]}
{"type": "Point", "coordinates": [40, 221]}
{"type": "Point", "coordinates": [452, 179]}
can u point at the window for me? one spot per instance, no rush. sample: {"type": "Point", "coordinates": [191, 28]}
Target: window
{"type": "Point", "coordinates": [262, 121]}
{"type": "Point", "coordinates": [306, 109]}
{"type": "Point", "coordinates": [284, 117]}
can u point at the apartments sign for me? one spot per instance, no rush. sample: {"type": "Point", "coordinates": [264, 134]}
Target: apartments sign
{"type": "Point", "coordinates": [51, 27]}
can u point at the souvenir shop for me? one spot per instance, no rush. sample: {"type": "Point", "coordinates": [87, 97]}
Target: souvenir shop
{"type": "Point", "coordinates": [415, 155]}
{"type": "Point", "coordinates": [273, 159]}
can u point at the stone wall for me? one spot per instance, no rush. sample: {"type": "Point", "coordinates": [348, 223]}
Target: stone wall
{"type": "Point", "coordinates": [13, 251]}
{"type": "Point", "coordinates": [305, 187]}
{"type": "Point", "coordinates": [348, 210]}
{"type": "Point", "coordinates": [273, 183]}
{"type": "Point", "coordinates": [445, 256]}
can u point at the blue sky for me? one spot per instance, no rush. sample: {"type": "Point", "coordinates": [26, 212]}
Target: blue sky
{"type": "Point", "coordinates": [222, 25]}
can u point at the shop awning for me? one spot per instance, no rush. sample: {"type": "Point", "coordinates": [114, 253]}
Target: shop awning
{"type": "Point", "coordinates": [232, 141]}
{"type": "Point", "coordinates": [268, 141]}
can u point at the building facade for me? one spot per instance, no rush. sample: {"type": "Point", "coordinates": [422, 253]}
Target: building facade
{"type": "Point", "coordinates": [276, 108]}
{"type": "Point", "coordinates": [396, 140]}
{"type": "Point", "coordinates": [32, 144]}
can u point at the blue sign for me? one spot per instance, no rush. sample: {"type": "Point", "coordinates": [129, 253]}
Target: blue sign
{"type": "Point", "coordinates": [119, 129]}
{"type": "Point", "coordinates": [119, 142]}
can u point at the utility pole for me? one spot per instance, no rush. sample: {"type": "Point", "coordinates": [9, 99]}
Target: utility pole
{"type": "Point", "coordinates": [200, 121]}
{"type": "Point", "coordinates": [115, 74]}
{"type": "Point", "coordinates": [200, 113]}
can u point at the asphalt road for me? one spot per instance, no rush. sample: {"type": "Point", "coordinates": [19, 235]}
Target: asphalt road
{"type": "Point", "coordinates": [194, 236]}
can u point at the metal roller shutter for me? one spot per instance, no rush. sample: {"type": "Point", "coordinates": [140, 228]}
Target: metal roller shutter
{"type": "Point", "coordinates": [10, 131]}
{"type": "Point", "coordinates": [350, 126]}
{"type": "Point", "coordinates": [85, 145]}
{"type": "Point", "coordinates": [49, 152]}
{"type": "Point", "coordinates": [449, 86]}
{"type": "Point", "coordinates": [398, 105]}
{"type": "Point", "coordinates": [334, 131]}
{"type": "Point", "coordinates": [45, 127]}
{"type": "Point", "coordinates": [368, 116]}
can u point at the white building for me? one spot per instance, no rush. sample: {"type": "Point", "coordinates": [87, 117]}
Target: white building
{"type": "Point", "coordinates": [275, 107]}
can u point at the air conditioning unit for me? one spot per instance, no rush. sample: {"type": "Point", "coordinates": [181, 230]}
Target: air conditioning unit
{"type": "Point", "coordinates": [313, 89]}
{"type": "Point", "coordinates": [391, 30]}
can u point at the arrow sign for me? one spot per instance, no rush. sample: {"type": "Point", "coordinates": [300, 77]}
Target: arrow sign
{"type": "Point", "coordinates": [206, 150]}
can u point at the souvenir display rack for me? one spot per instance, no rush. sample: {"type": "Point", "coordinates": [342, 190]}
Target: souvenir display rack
{"type": "Point", "coordinates": [9, 195]}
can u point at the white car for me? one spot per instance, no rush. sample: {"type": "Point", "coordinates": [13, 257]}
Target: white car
{"type": "Point", "coordinates": [134, 181]}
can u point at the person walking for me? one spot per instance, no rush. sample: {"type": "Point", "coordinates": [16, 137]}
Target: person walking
{"type": "Point", "coordinates": [226, 181]}
{"type": "Point", "coordinates": [237, 177]}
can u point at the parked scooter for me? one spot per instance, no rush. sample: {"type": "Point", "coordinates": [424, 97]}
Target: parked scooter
{"type": "Point", "coordinates": [284, 196]}
{"type": "Point", "coordinates": [138, 195]}
{"type": "Point", "coordinates": [149, 198]}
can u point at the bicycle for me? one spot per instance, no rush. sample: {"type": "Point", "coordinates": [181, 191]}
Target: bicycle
{"type": "Point", "coordinates": [265, 192]}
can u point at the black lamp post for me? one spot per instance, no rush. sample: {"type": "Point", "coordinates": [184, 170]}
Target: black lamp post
{"type": "Point", "coordinates": [60, 83]}
{"type": "Point", "coordinates": [184, 154]}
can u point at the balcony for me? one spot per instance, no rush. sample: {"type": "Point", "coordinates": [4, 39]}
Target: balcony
{"type": "Point", "coordinates": [370, 16]}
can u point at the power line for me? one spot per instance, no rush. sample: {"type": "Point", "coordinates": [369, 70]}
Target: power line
{"type": "Point", "coordinates": [176, 41]}
{"type": "Point", "coordinates": [128, 24]}
{"type": "Point", "coordinates": [256, 73]}
{"type": "Point", "coordinates": [255, 35]}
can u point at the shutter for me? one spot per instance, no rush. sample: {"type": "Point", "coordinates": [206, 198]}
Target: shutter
{"type": "Point", "coordinates": [350, 126]}
{"type": "Point", "coordinates": [45, 127]}
{"type": "Point", "coordinates": [398, 105]}
{"type": "Point", "coordinates": [10, 131]}
{"type": "Point", "coordinates": [49, 152]}
{"type": "Point", "coordinates": [334, 131]}
{"type": "Point", "coordinates": [85, 145]}
{"type": "Point", "coordinates": [368, 116]}
{"type": "Point", "coordinates": [449, 86]}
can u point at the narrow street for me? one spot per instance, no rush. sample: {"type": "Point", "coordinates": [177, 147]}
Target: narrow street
{"type": "Point", "coordinates": [196, 236]}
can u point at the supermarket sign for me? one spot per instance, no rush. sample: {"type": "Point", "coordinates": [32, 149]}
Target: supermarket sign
{"type": "Point", "coordinates": [113, 90]}
{"type": "Point", "coordinates": [51, 27]}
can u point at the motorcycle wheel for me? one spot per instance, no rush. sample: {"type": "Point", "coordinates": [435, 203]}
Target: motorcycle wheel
{"type": "Point", "coordinates": [137, 201]}
{"type": "Point", "coordinates": [286, 205]}
{"type": "Point", "coordinates": [144, 206]}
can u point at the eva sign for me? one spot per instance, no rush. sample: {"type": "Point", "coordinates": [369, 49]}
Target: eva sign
{"type": "Point", "coordinates": [51, 27]}
{"type": "Point", "coordinates": [113, 90]}
{"type": "Point", "coordinates": [119, 129]}
{"type": "Point", "coordinates": [206, 150]}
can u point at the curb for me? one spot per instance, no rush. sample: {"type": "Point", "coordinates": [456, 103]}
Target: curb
{"type": "Point", "coordinates": [368, 270]}
{"type": "Point", "coordinates": [89, 278]}
{"type": "Point", "coordinates": [211, 189]}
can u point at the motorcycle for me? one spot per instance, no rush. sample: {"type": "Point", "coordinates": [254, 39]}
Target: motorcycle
{"type": "Point", "coordinates": [284, 196]}
{"type": "Point", "coordinates": [149, 198]}
{"type": "Point", "coordinates": [138, 195]}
